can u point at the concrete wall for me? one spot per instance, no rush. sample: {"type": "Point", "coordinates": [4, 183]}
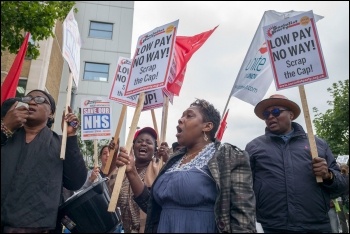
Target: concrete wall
{"type": "Point", "coordinates": [6, 63]}
{"type": "Point", "coordinates": [120, 14]}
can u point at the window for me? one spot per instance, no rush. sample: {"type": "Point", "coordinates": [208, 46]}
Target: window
{"type": "Point", "coordinates": [96, 71]}
{"type": "Point", "coordinates": [21, 88]}
{"type": "Point", "coordinates": [101, 30]}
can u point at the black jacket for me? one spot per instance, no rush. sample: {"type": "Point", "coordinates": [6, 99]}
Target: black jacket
{"type": "Point", "coordinates": [288, 198]}
{"type": "Point", "coordinates": [32, 176]}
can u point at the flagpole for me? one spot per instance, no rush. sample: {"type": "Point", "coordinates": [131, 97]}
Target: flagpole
{"type": "Point", "coordinates": [228, 100]}
{"type": "Point", "coordinates": [220, 132]}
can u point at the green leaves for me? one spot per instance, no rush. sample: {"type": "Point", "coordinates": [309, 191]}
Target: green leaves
{"type": "Point", "coordinates": [333, 125]}
{"type": "Point", "coordinates": [36, 17]}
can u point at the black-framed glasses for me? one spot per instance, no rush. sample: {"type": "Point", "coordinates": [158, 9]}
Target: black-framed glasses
{"type": "Point", "coordinates": [37, 99]}
{"type": "Point", "coordinates": [275, 112]}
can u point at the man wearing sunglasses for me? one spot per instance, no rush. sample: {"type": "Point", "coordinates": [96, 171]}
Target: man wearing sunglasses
{"type": "Point", "coordinates": [288, 197]}
{"type": "Point", "coordinates": [32, 173]}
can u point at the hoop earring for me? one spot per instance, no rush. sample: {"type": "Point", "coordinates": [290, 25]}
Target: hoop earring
{"type": "Point", "coordinates": [205, 136]}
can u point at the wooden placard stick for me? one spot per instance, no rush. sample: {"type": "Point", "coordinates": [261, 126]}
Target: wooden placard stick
{"type": "Point", "coordinates": [121, 171]}
{"type": "Point", "coordinates": [164, 118]}
{"type": "Point", "coordinates": [310, 133]}
{"type": "Point", "coordinates": [95, 153]}
{"type": "Point", "coordinates": [95, 158]}
{"type": "Point", "coordinates": [116, 136]}
{"type": "Point", "coordinates": [164, 123]}
{"type": "Point", "coordinates": [155, 125]}
{"type": "Point", "coordinates": [65, 124]}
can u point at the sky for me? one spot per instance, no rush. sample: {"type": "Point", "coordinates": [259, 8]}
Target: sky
{"type": "Point", "coordinates": [212, 70]}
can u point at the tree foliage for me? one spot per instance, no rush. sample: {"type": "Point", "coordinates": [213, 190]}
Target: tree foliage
{"type": "Point", "coordinates": [333, 125]}
{"type": "Point", "coordinates": [36, 17]}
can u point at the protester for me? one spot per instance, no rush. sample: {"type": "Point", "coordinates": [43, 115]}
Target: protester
{"type": "Point", "coordinates": [144, 149]}
{"type": "Point", "coordinates": [343, 214]}
{"type": "Point", "coordinates": [204, 187]}
{"type": "Point", "coordinates": [333, 217]}
{"type": "Point", "coordinates": [176, 146]}
{"type": "Point", "coordinates": [289, 199]}
{"type": "Point", "coordinates": [96, 173]}
{"type": "Point", "coordinates": [32, 172]}
{"type": "Point", "coordinates": [163, 152]}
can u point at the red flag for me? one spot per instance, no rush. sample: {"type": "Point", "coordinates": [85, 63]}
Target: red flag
{"type": "Point", "coordinates": [185, 47]}
{"type": "Point", "coordinates": [222, 127]}
{"type": "Point", "coordinates": [8, 88]}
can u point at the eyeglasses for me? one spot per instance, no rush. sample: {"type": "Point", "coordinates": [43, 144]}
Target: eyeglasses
{"type": "Point", "coordinates": [37, 99]}
{"type": "Point", "coordinates": [275, 112]}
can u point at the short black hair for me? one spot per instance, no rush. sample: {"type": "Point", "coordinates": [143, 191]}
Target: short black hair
{"type": "Point", "coordinates": [210, 114]}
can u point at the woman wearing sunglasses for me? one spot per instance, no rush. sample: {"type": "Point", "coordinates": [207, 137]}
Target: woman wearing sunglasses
{"type": "Point", "coordinates": [288, 197]}
{"type": "Point", "coordinates": [32, 173]}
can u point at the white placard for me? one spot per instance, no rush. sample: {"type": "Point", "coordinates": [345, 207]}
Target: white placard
{"type": "Point", "coordinates": [343, 159]}
{"type": "Point", "coordinates": [295, 51]}
{"type": "Point", "coordinates": [153, 99]}
{"type": "Point", "coordinates": [96, 115]}
{"type": "Point", "coordinates": [255, 75]}
{"type": "Point", "coordinates": [152, 59]}
{"type": "Point", "coordinates": [71, 45]}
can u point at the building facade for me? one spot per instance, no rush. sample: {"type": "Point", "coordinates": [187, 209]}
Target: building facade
{"type": "Point", "coordinates": [105, 29]}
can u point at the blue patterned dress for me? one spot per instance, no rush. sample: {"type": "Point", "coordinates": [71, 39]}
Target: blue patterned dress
{"type": "Point", "coordinates": [187, 195]}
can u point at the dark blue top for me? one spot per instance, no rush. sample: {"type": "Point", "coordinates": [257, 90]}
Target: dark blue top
{"type": "Point", "coordinates": [189, 211]}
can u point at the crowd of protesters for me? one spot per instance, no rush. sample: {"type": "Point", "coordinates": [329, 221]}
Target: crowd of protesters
{"type": "Point", "coordinates": [200, 185]}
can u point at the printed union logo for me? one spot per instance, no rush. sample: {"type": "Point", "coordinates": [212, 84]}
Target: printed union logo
{"type": "Point", "coordinates": [263, 48]}
{"type": "Point", "coordinates": [169, 29]}
{"type": "Point", "coordinates": [142, 39]}
{"type": "Point", "coordinates": [277, 28]}
{"type": "Point", "coordinates": [304, 20]}
{"type": "Point", "coordinates": [153, 34]}
{"type": "Point", "coordinates": [87, 102]}
{"type": "Point", "coordinates": [269, 32]}
{"type": "Point", "coordinates": [125, 61]}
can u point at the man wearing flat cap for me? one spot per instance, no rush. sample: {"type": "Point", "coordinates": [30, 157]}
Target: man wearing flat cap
{"type": "Point", "coordinates": [288, 197]}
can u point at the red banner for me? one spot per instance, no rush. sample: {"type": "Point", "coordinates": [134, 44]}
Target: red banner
{"type": "Point", "coordinates": [222, 127]}
{"type": "Point", "coordinates": [8, 88]}
{"type": "Point", "coordinates": [185, 47]}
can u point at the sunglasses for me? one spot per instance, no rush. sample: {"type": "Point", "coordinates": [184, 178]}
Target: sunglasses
{"type": "Point", "coordinates": [275, 112]}
{"type": "Point", "coordinates": [37, 99]}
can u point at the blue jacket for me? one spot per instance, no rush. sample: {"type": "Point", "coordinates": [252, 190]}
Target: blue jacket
{"type": "Point", "coordinates": [288, 198]}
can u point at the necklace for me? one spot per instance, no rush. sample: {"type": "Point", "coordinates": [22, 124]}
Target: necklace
{"type": "Point", "coordinates": [186, 156]}
{"type": "Point", "coordinates": [139, 168]}
{"type": "Point", "coordinates": [198, 161]}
